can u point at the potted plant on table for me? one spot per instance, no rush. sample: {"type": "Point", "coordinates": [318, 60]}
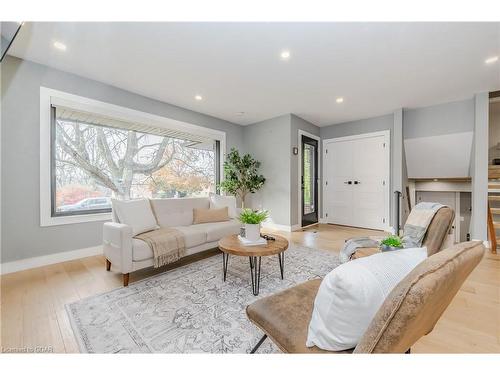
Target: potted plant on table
{"type": "Point", "coordinates": [391, 243]}
{"type": "Point", "coordinates": [252, 220]}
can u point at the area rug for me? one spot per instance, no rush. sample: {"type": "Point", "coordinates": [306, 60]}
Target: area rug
{"type": "Point", "coordinates": [190, 309]}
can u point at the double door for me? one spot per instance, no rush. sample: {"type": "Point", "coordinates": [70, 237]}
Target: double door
{"type": "Point", "coordinates": [356, 186]}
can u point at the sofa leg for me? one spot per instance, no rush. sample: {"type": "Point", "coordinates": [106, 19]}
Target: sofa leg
{"type": "Point", "coordinates": [108, 265]}
{"type": "Point", "coordinates": [125, 279]}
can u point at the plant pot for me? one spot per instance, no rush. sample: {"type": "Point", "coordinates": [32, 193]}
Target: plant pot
{"type": "Point", "coordinates": [252, 232]}
{"type": "Point", "coordinates": [389, 248]}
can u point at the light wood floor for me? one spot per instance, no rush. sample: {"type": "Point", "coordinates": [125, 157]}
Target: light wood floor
{"type": "Point", "coordinates": [33, 313]}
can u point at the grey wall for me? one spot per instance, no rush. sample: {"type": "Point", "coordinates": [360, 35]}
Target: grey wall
{"type": "Point", "coordinates": [269, 142]}
{"type": "Point", "coordinates": [448, 118]}
{"type": "Point", "coordinates": [22, 236]}
{"type": "Point", "coordinates": [297, 124]}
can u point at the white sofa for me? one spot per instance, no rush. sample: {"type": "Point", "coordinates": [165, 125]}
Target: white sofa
{"type": "Point", "coordinates": [127, 254]}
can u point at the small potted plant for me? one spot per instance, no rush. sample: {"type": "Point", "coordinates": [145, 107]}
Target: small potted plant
{"type": "Point", "coordinates": [252, 220]}
{"type": "Point", "coordinates": [391, 243]}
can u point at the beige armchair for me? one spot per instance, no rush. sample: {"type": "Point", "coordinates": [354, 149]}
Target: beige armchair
{"type": "Point", "coordinates": [434, 240]}
{"type": "Point", "coordinates": [409, 312]}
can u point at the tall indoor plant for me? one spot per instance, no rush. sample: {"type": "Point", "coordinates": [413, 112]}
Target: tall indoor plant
{"type": "Point", "coordinates": [241, 175]}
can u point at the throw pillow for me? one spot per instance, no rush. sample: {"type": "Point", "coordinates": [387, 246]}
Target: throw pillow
{"type": "Point", "coordinates": [350, 296]}
{"type": "Point", "coordinates": [136, 213]}
{"type": "Point", "coordinates": [220, 201]}
{"type": "Point", "coordinates": [203, 215]}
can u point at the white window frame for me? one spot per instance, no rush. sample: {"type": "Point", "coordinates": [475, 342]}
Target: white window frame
{"type": "Point", "coordinates": [49, 96]}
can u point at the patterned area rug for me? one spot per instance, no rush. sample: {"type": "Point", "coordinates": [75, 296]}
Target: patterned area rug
{"type": "Point", "coordinates": [190, 309]}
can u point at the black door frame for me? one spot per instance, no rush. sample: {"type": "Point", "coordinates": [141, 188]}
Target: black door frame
{"type": "Point", "coordinates": [312, 218]}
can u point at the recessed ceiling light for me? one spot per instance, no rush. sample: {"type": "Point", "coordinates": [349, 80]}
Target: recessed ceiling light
{"type": "Point", "coordinates": [285, 55]}
{"type": "Point", "coordinates": [240, 113]}
{"type": "Point", "coordinates": [491, 60]}
{"type": "Point", "coordinates": [339, 100]}
{"type": "Point", "coordinates": [198, 97]}
{"type": "Point", "coordinates": [60, 46]}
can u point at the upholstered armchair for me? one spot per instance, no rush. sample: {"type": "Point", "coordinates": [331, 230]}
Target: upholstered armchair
{"type": "Point", "coordinates": [409, 312]}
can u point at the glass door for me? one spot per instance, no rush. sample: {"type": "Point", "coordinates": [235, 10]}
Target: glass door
{"type": "Point", "coordinates": [309, 180]}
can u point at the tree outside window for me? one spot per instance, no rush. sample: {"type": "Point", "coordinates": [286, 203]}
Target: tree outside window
{"type": "Point", "coordinates": [92, 163]}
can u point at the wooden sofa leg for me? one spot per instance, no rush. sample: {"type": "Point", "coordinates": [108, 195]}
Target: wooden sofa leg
{"type": "Point", "coordinates": [125, 279]}
{"type": "Point", "coordinates": [108, 265]}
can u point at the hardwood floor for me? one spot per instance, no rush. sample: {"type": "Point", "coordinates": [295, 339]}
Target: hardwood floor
{"type": "Point", "coordinates": [33, 313]}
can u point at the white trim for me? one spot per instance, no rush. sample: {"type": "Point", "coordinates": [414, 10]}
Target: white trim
{"type": "Point", "coordinates": [49, 96]}
{"type": "Point", "coordinates": [299, 182]}
{"type": "Point", "coordinates": [45, 260]}
{"type": "Point", "coordinates": [387, 137]}
{"type": "Point", "coordinates": [280, 227]}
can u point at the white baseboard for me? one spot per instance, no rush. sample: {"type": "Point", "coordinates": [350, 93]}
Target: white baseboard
{"type": "Point", "coordinates": [45, 260]}
{"type": "Point", "coordinates": [284, 228]}
{"type": "Point", "coordinates": [323, 220]}
{"type": "Point", "coordinates": [485, 243]}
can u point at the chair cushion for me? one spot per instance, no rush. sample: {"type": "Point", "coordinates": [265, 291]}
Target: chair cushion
{"type": "Point", "coordinates": [215, 231]}
{"type": "Point", "coordinates": [210, 215]}
{"type": "Point", "coordinates": [285, 316]}
{"type": "Point", "coordinates": [173, 212]}
{"type": "Point", "coordinates": [351, 294]}
{"type": "Point", "coordinates": [136, 213]}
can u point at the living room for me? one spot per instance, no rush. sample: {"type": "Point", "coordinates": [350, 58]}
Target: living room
{"type": "Point", "coordinates": [249, 187]}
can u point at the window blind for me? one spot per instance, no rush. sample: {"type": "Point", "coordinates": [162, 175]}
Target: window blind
{"type": "Point", "coordinates": [70, 114]}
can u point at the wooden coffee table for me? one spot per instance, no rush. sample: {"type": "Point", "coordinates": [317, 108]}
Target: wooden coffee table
{"type": "Point", "coordinates": [231, 245]}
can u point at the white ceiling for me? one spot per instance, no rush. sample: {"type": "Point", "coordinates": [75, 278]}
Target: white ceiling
{"type": "Point", "coordinates": [236, 67]}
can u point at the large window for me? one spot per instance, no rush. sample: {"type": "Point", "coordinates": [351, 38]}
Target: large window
{"type": "Point", "coordinates": [94, 158]}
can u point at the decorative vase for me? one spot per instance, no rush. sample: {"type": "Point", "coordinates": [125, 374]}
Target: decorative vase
{"type": "Point", "coordinates": [252, 232]}
{"type": "Point", "coordinates": [389, 248]}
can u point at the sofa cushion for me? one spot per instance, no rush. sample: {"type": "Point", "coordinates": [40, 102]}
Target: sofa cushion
{"type": "Point", "coordinates": [219, 201]}
{"type": "Point", "coordinates": [211, 215]}
{"type": "Point", "coordinates": [140, 250]}
{"type": "Point", "coordinates": [351, 294]}
{"type": "Point", "coordinates": [193, 236]}
{"type": "Point", "coordinates": [174, 212]}
{"type": "Point", "coordinates": [215, 231]}
{"type": "Point", "coordinates": [136, 213]}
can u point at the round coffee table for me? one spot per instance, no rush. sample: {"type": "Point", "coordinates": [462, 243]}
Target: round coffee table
{"type": "Point", "coordinates": [231, 245]}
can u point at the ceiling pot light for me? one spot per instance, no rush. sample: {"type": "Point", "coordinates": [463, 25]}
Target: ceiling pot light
{"type": "Point", "coordinates": [285, 55]}
{"type": "Point", "coordinates": [198, 97]}
{"type": "Point", "coordinates": [240, 113]}
{"type": "Point", "coordinates": [491, 60]}
{"type": "Point", "coordinates": [60, 46]}
{"type": "Point", "coordinates": [339, 100]}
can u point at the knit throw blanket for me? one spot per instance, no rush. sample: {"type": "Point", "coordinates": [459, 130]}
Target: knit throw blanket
{"type": "Point", "coordinates": [414, 231]}
{"type": "Point", "coordinates": [167, 244]}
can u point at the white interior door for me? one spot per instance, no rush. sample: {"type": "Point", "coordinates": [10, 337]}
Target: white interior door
{"type": "Point", "coordinates": [338, 191]}
{"type": "Point", "coordinates": [357, 178]}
